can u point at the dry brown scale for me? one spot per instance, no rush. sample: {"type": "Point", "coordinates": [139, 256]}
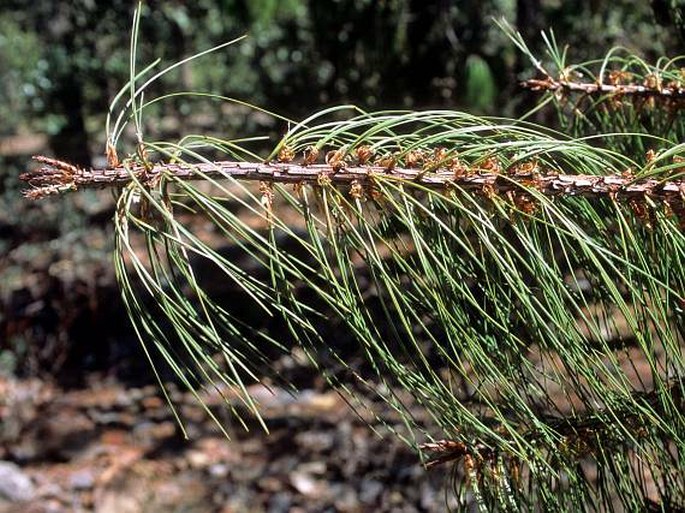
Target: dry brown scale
{"type": "Point", "coordinates": [651, 88]}
{"type": "Point", "coordinates": [487, 179]}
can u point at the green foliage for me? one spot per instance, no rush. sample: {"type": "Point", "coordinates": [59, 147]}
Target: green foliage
{"type": "Point", "coordinates": [649, 121]}
{"type": "Point", "coordinates": [513, 328]}
{"type": "Point", "coordinates": [480, 84]}
{"type": "Point", "coordinates": [24, 75]}
{"type": "Point", "coordinates": [542, 335]}
{"type": "Point", "coordinates": [299, 53]}
{"type": "Point", "coordinates": [671, 12]}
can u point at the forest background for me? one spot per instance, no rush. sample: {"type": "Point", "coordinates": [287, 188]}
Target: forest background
{"type": "Point", "coordinates": [61, 319]}
{"type": "Point", "coordinates": [61, 64]}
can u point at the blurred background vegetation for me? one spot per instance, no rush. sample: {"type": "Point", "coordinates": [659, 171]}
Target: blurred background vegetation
{"type": "Point", "coordinates": [62, 62]}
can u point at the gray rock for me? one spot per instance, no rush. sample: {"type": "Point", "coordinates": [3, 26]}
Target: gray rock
{"type": "Point", "coordinates": [82, 480]}
{"type": "Point", "coordinates": [15, 485]}
{"type": "Point", "coordinates": [371, 491]}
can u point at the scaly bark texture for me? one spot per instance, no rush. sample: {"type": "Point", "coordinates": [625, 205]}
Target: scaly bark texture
{"type": "Point", "coordinates": [57, 176]}
{"type": "Point", "coordinates": [664, 91]}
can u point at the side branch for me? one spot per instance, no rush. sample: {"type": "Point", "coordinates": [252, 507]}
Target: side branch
{"type": "Point", "coordinates": [578, 437]}
{"type": "Point", "coordinates": [57, 176]}
{"type": "Point", "coordinates": [670, 91]}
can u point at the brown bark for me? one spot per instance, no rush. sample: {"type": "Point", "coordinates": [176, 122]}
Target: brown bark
{"type": "Point", "coordinates": [57, 176]}
{"type": "Point", "coordinates": [671, 92]}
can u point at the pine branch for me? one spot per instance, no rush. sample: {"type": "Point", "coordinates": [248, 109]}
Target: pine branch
{"type": "Point", "coordinates": [673, 91]}
{"type": "Point", "coordinates": [57, 176]}
{"type": "Point", "coordinates": [579, 434]}
{"type": "Point", "coordinates": [524, 339]}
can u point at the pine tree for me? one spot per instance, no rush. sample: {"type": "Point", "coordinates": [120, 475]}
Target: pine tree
{"type": "Point", "coordinates": [524, 286]}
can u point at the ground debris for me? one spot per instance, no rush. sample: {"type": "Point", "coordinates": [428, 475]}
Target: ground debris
{"type": "Point", "coordinates": [124, 454]}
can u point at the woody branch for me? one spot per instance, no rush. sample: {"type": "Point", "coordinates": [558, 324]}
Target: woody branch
{"type": "Point", "coordinates": [669, 91]}
{"type": "Point", "coordinates": [56, 176]}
